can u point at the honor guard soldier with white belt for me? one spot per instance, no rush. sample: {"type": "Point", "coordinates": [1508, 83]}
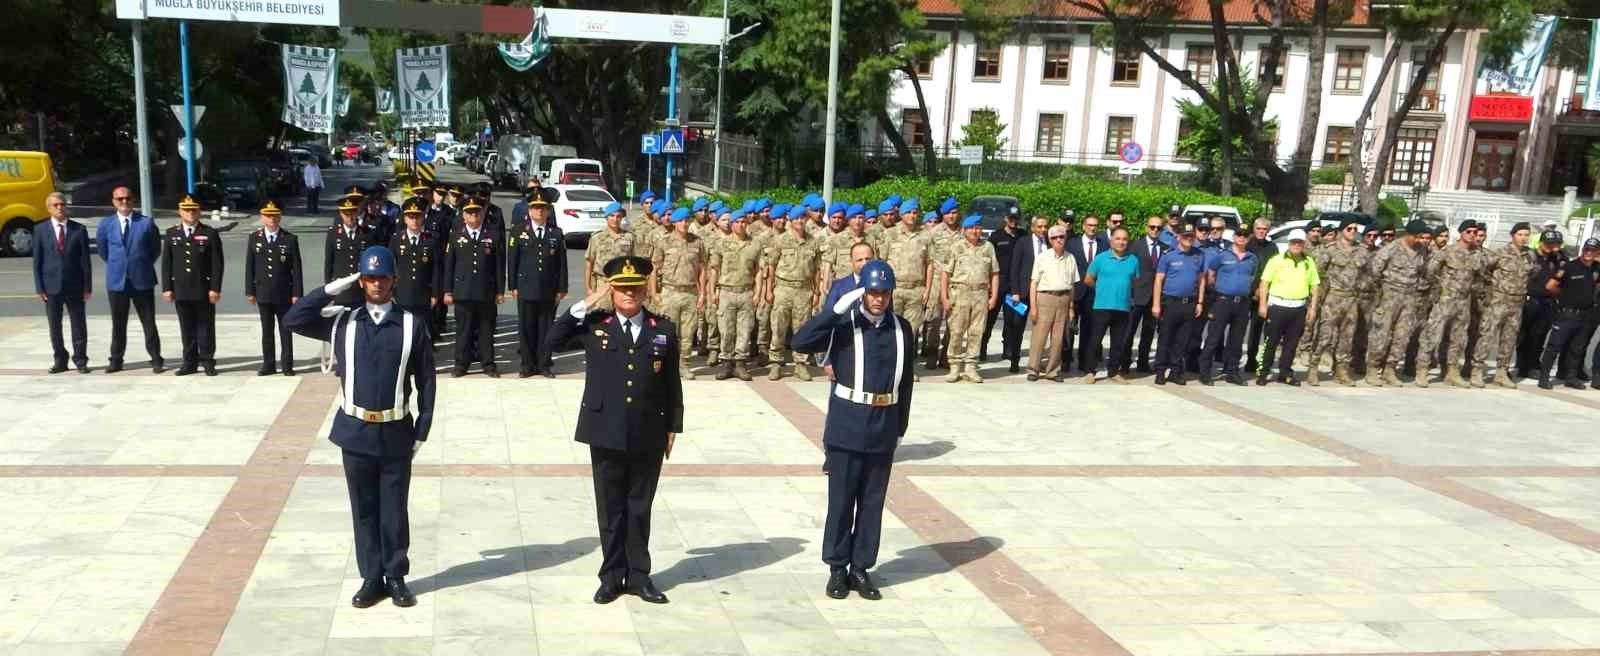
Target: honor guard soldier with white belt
{"type": "Point", "coordinates": [538, 279]}
{"type": "Point", "coordinates": [474, 282]}
{"type": "Point", "coordinates": [416, 258]}
{"type": "Point", "coordinates": [191, 279]}
{"type": "Point", "coordinates": [631, 413]}
{"type": "Point", "coordinates": [384, 360]}
{"type": "Point", "coordinates": [273, 281]}
{"type": "Point", "coordinates": [872, 351]}
{"type": "Point", "coordinates": [342, 250]}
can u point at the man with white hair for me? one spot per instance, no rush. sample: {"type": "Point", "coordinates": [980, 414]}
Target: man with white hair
{"type": "Point", "coordinates": [1054, 274]}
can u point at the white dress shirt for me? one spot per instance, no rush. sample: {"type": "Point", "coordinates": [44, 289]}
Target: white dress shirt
{"type": "Point", "coordinates": [378, 312]}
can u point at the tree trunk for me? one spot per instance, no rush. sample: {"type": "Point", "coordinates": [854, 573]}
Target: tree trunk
{"type": "Point", "coordinates": [930, 165]}
{"type": "Point", "coordinates": [1419, 76]}
{"type": "Point", "coordinates": [1224, 73]}
{"type": "Point", "coordinates": [1311, 112]}
{"type": "Point", "coordinates": [901, 151]}
{"type": "Point", "coordinates": [1358, 167]}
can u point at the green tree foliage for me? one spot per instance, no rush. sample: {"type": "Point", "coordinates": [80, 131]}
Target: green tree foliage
{"type": "Point", "coordinates": [1201, 143]}
{"type": "Point", "coordinates": [984, 129]}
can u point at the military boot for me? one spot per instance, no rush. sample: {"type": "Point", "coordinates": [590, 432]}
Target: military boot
{"type": "Point", "coordinates": [712, 359]}
{"type": "Point", "coordinates": [727, 371]}
{"type": "Point", "coordinates": [1503, 379]}
{"type": "Point", "coordinates": [1341, 374]}
{"type": "Point", "coordinates": [970, 374]}
{"type": "Point", "coordinates": [802, 372]}
{"type": "Point", "coordinates": [1392, 378]}
{"type": "Point", "coordinates": [1374, 377]}
{"type": "Point", "coordinates": [740, 370]}
{"type": "Point", "coordinates": [1478, 381]}
{"type": "Point", "coordinates": [776, 372]}
{"type": "Point", "coordinates": [1544, 381]}
{"type": "Point", "coordinates": [1312, 377]}
{"type": "Point", "coordinates": [685, 372]}
{"type": "Point", "coordinates": [1452, 375]}
{"type": "Point", "coordinates": [953, 377]}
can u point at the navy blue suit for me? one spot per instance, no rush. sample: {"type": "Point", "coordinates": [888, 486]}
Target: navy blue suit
{"type": "Point", "coordinates": [859, 438]}
{"type": "Point", "coordinates": [130, 258]}
{"type": "Point", "coordinates": [64, 274]}
{"type": "Point", "coordinates": [377, 454]}
{"type": "Point", "coordinates": [1082, 301]}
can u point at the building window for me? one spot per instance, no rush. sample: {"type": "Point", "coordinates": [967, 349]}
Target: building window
{"type": "Point", "coordinates": [1058, 61]}
{"type": "Point", "coordinates": [1350, 68]}
{"type": "Point", "coordinates": [924, 68]}
{"type": "Point", "coordinates": [1052, 130]}
{"type": "Point", "coordinates": [1336, 148]}
{"type": "Point", "coordinates": [1119, 130]}
{"type": "Point", "coordinates": [914, 127]}
{"type": "Point", "coordinates": [1125, 66]}
{"type": "Point", "coordinates": [1413, 156]}
{"type": "Point", "coordinates": [1428, 99]}
{"type": "Point", "coordinates": [1269, 69]}
{"type": "Point", "coordinates": [1202, 64]}
{"type": "Point", "coordinates": [986, 64]}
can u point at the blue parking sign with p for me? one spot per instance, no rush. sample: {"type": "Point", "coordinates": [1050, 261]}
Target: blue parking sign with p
{"type": "Point", "coordinates": [649, 144]}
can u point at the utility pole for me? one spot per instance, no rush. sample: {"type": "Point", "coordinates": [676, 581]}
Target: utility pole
{"type": "Point", "coordinates": [716, 139]}
{"type": "Point", "coordinates": [188, 104]}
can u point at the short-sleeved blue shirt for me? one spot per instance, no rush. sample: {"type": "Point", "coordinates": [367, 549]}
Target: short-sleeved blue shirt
{"type": "Point", "coordinates": [1183, 270]}
{"type": "Point", "coordinates": [1113, 280]}
{"type": "Point", "coordinates": [1235, 273]}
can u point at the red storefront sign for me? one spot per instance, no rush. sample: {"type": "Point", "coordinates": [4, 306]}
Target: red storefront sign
{"type": "Point", "coordinates": [1506, 109]}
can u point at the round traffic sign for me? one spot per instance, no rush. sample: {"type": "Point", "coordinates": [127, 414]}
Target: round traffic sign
{"type": "Point", "coordinates": [183, 149]}
{"type": "Point", "coordinates": [424, 151]}
{"type": "Point", "coordinates": [1132, 152]}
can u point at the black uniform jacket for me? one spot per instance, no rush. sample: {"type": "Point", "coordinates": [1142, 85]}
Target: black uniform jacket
{"type": "Point", "coordinates": [850, 425]}
{"type": "Point", "coordinates": [378, 348]}
{"type": "Point", "coordinates": [538, 266]}
{"type": "Point", "coordinates": [474, 269]}
{"type": "Point", "coordinates": [192, 267]}
{"type": "Point", "coordinates": [632, 396]}
{"type": "Point", "coordinates": [341, 256]}
{"type": "Point", "coordinates": [272, 272]}
{"type": "Point", "coordinates": [417, 268]}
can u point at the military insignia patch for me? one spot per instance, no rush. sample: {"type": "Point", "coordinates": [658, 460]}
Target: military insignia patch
{"type": "Point", "coordinates": [656, 365]}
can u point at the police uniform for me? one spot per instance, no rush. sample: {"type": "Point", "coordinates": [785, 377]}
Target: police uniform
{"type": "Point", "coordinates": [417, 269]}
{"type": "Point", "coordinates": [341, 252]}
{"type": "Point", "coordinates": [1011, 323]}
{"type": "Point", "coordinates": [191, 270]}
{"type": "Point", "coordinates": [632, 403]}
{"type": "Point", "coordinates": [1182, 274]}
{"type": "Point", "coordinates": [273, 279]}
{"type": "Point", "coordinates": [384, 360]}
{"type": "Point", "coordinates": [1539, 307]}
{"type": "Point", "coordinates": [475, 281]}
{"type": "Point", "coordinates": [869, 406]}
{"type": "Point", "coordinates": [1575, 305]}
{"type": "Point", "coordinates": [538, 273]}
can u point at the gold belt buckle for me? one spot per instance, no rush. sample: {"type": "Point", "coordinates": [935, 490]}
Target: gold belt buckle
{"type": "Point", "coordinates": [373, 416]}
{"type": "Point", "coordinates": [880, 400]}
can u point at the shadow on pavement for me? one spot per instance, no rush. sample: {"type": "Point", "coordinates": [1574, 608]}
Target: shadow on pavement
{"type": "Point", "coordinates": [923, 451]}
{"type": "Point", "coordinates": [711, 563]}
{"type": "Point", "coordinates": [930, 559]}
{"type": "Point", "coordinates": [507, 561]}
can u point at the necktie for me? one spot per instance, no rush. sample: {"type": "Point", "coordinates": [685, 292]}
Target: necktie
{"type": "Point", "coordinates": [188, 232]}
{"type": "Point", "coordinates": [1088, 247]}
{"type": "Point", "coordinates": [124, 227]}
{"type": "Point", "coordinates": [272, 239]}
{"type": "Point", "coordinates": [413, 240]}
{"type": "Point", "coordinates": [61, 239]}
{"type": "Point", "coordinates": [538, 233]}
{"type": "Point", "coordinates": [627, 329]}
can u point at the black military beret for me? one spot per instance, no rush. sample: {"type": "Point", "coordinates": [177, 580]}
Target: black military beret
{"type": "Point", "coordinates": [1417, 227]}
{"type": "Point", "coordinates": [1521, 225]}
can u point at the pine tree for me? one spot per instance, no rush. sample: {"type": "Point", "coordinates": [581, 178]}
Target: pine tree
{"type": "Point", "coordinates": [307, 86]}
{"type": "Point", "coordinates": [422, 82]}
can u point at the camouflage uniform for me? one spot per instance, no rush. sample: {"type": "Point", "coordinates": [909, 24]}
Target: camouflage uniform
{"type": "Point", "coordinates": [1455, 268]}
{"type": "Point", "coordinates": [1308, 341]}
{"type": "Point", "coordinates": [908, 254]}
{"type": "Point", "coordinates": [763, 331]}
{"type": "Point", "coordinates": [1507, 271]}
{"type": "Point", "coordinates": [710, 330]}
{"type": "Point", "coordinates": [937, 341]}
{"type": "Point", "coordinates": [736, 261]}
{"type": "Point", "coordinates": [678, 262]}
{"type": "Point", "coordinates": [603, 247]}
{"type": "Point", "coordinates": [1398, 269]}
{"type": "Point", "coordinates": [1342, 265]}
{"type": "Point", "coordinates": [969, 266]}
{"type": "Point", "coordinates": [793, 261]}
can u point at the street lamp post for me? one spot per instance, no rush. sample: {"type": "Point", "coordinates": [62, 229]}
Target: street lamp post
{"type": "Point", "coordinates": [833, 106]}
{"type": "Point", "coordinates": [716, 139]}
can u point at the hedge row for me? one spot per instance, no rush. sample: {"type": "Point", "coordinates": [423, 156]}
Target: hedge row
{"type": "Point", "coordinates": [1048, 198]}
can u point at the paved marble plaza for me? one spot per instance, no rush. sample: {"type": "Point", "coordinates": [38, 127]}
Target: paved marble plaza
{"type": "Point", "coordinates": [161, 515]}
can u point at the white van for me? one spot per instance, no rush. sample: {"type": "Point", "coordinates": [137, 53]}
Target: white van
{"type": "Point", "coordinates": [574, 171]}
{"type": "Point", "coordinates": [519, 154]}
{"type": "Point", "coordinates": [442, 139]}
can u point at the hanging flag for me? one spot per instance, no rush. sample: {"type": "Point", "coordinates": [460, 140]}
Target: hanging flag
{"type": "Point", "coordinates": [1518, 74]}
{"type": "Point", "coordinates": [1591, 100]}
{"type": "Point", "coordinates": [384, 99]}
{"type": "Point", "coordinates": [341, 100]}
{"type": "Point", "coordinates": [309, 77]}
{"type": "Point", "coordinates": [423, 75]}
{"type": "Point", "coordinates": [533, 48]}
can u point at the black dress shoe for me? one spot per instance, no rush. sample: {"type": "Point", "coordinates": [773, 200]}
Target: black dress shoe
{"type": "Point", "coordinates": [185, 370]}
{"type": "Point", "coordinates": [83, 368]}
{"type": "Point", "coordinates": [288, 371]}
{"type": "Point", "coordinates": [491, 373]}
{"type": "Point", "coordinates": [1234, 378]}
{"type": "Point", "coordinates": [1290, 380]}
{"type": "Point", "coordinates": [371, 592]}
{"type": "Point", "coordinates": [114, 367]}
{"type": "Point", "coordinates": [211, 370]}
{"type": "Point", "coordinates": [1261, 379]}
{"type": "Point", "coordinates": [58, 368]}
{"type": "Point", "coordinates": [548, 373]}
{"type": "Point", "coordinates": [1544, 382]}
{"type": "Point", "coordinates": [1205, 379]}
{"type": "Point", "coordinates": [266, 371]}
{"type": "Point", "coordinates": [838, 584]}
{"type": "Point", "coordinates": [400, 593]}
{"type": "Point", "coordinates": [647, 591]}
{"type": "Point", "coordinates": [1161, 377]}
{"type": "Point", "coordinates": [525, 374]}
{"type": "Point", "coordinates": [457, 373]}
{"type": "Point", "coordinates": [157, 367]}
{"type": "Point", "coordinates": [1015, 367]}
{"type": "Point", "coordinates": [1177, 378]}
{"type": "Point", "coordinates": [862, 583]}
{"type": "Point", "coordinates": [1573, 383]}
{"type": "Point", "coordinates": [607, 593]}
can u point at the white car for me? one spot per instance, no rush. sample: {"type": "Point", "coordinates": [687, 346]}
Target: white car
{"type": "Point", "coordinates": [1194, 213]}
{"type": "Point", "coordinates": [453, 154]}
{"type": "Point", "coordinates": [579, 209]}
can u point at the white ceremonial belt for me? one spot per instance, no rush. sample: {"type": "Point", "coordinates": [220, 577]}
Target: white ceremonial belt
{"type": "Point", "coordinates": [376, 416]}
{"type": "Point", "coordinates": [865, 398]}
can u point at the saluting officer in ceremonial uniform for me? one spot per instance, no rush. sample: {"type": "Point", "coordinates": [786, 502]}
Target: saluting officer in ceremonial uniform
{"type": "Point", "coordinates": [416, 257]}
{"type": "Point", "coordinates": [272, 282]}
{"type": "Point", "coordinates": [632, 411]}
{"type": "Point", "coordinates": [191, 279]}
{"type": "Point", "coordinates": [872, 351]}
{"type": "Point", "coordinates": [538, 278]}
{"type": "Point", "coordinates": [381, 354]}
{"type": "Point", "coordinates": [474, 282]}
{"type": "Point", "coordinates": [342, 250]}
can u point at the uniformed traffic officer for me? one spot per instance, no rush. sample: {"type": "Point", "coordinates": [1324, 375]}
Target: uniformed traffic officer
{"type": "Point", "coordinates": [384, 358]}
{"type": "Point", "coordinates": [631, 413]}
{"type": "Point", "coordinates": [196, 248]}
{"type": "Point", "coordinates": [272, 282]}
{"type": "Point", "coordinates": [417, 268]}
{"type": "Point", "coordinates": [474, 282]}
{"type": "Point", "coordinates": [872, 351]}
{"type": "Point", "coordinates": [538, 279]}
{"type": "Point", "coordinates": [342, 251]}
{"type": "Point", "coordinates": [1179, 302]}
{"type": "Point", "coordinates": [1574, 288]}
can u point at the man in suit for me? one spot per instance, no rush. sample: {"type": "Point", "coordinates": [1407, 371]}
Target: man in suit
{"type": "Point", "coordinates": [191, 279]}
{"type": "Point", "coordinates": [1011, 324]}
{"type": "Point", "coordinates": [1083, 248]}
{"type": "Point", "coordinates": [474, 282]}
{"type": "Point", "coordinates": [1148, 250]}
{"type": "Point", "coordinates": [1020, 270]}
{"type": "Point", "coordinates": [632, 412]}
{"type": "Point", "coordinates": [130, 246]}
{"type": "Point", "coordinates": [374, 427]}
{"type": "Point", "coordinates": [273, 282]}
{"type": "Point", "coordinates": [538, 281]}
{"type": "Point", "coordinates": [63, 279]}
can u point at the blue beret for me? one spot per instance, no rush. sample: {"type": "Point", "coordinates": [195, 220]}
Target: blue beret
{"type": "Point", "coordinates": [680, 214]}
{"type": "Point", "coordinates": [871, 213]}
{"type": "Point", "coordinates": [377, 261]}
{"type": "Point", "coordinates": [613, 208]}
{"type": "Point", "coordinates": [972, 220]}
{"type": "Point", "coordinates": [837, 208]}
{"type": "Point", "coordinates": [781, 209]}
{"type": "Point", "coordinates": [886, 205]}
{"type": "Point", "coordinates": [699, 204]}
{"type": "Point", "coordinates": [647, 196]}
{"type": "Point", "coordinates": [815, 204]}
{"type": "Point", "coordinates": [931, 218]}
{"type": "Point", "coordinates": [797, 212]}
{"type": "Point", "coordinates": [855, 209]}
{"type": "Point", "coordinates": [738, 215]}
{"type": "Point", "coordinates": [893, 199]}
{"type": "Point", "coordinates": [716, 206]}
{"type": "Point", "coordinates": [810, 198]}
{"type": "Point", "coordinates": [948, 204]}
{"type": "Point", "coordinates": [908, 206]}
{"type": "Point", "coordinates": [763, 203]}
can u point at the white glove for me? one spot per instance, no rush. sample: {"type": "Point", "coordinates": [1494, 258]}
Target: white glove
{"type": "Point", "coordinates": [336, 287]}
{"type": "Point", "coordinates": [845, 302]}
